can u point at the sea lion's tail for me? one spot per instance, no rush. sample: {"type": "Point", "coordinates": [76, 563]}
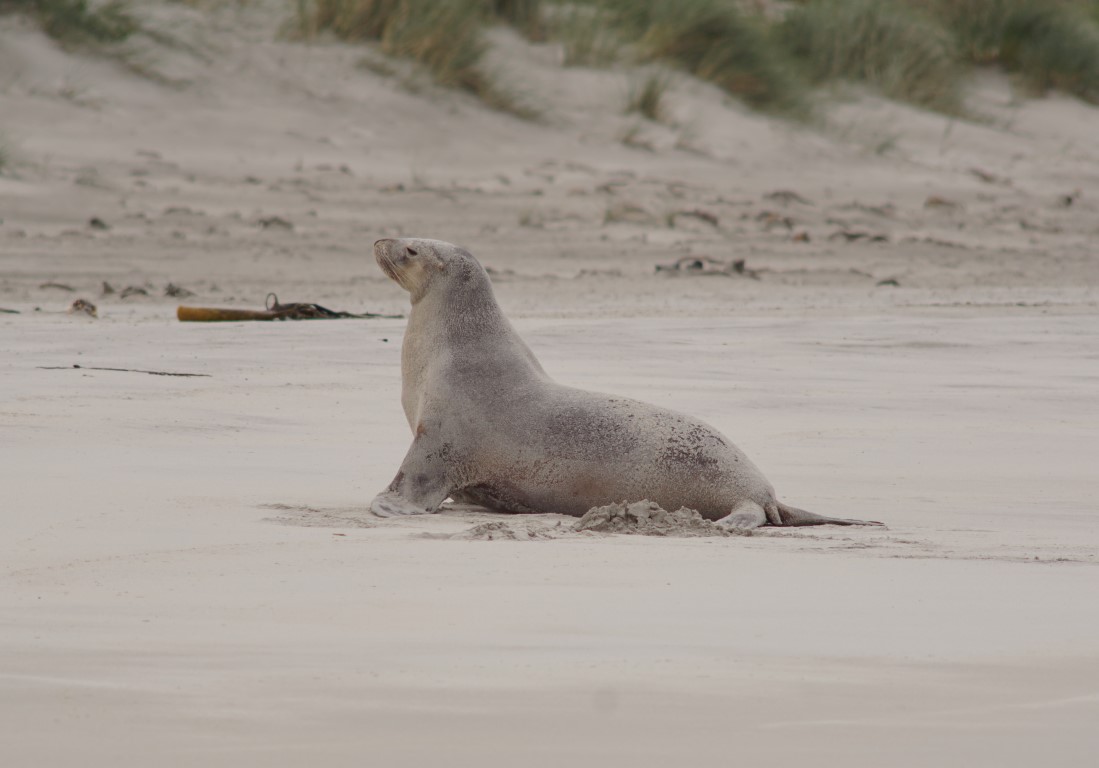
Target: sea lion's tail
{"type": "Point", "coordinates": [794, 516]}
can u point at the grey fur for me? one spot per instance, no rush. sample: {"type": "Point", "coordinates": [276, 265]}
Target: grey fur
{"type": "Point", "coordinates": [490, 427]}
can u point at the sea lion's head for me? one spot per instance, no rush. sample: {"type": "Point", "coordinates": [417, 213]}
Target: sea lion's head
{"type": "Point", "coordinates": [427, 266]}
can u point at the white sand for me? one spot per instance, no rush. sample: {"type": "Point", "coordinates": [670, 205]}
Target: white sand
{"type": "Point", "coordinates": [189, 574]}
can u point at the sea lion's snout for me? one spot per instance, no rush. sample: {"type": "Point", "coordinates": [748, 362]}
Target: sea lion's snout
{"type": "Point", "coordinates": [405, 261]}
{"type": "Point", "coordinates": [395, 251]}
{"type": "Point", "coordinates": [384, 255]}
{"type": "Point", "coordinates": [385, 248]}
{"type": "Point", "coordinates": [417, 263]}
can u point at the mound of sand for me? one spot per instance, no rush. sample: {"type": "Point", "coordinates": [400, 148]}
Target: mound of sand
{"type": "Point", "coordinates": [646, 518]}
{"type": "Point", "coordinates": [640, 518]}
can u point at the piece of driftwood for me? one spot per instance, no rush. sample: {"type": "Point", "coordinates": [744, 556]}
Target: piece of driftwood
{"type": "Point", "coordinates": [274, 311]}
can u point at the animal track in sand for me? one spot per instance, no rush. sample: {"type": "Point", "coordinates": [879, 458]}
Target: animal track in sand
{"type": "Point", "coordinates": [317, 517]}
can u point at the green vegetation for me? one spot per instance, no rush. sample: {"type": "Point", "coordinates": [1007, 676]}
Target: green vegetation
{"type": "Point", "coordinates": [905, 54]}
{"type": "Point", "coordinates": [646, 96]}
{"type": "Point", "coordinates": [444, 36]}
{"type": "Point", "coordinates": [524, 15]}
{"type": "Point", "coordinates": [714, 41]}
{"type": "Point", "coordinates": [74, 22]}
{"type": "Point", "coordinates": [1050, 44]}
{"type": "Point", "coordinates": [918, 51]}
{"type": "Point", "coordinates": [585, 34]}
{"type": "Point", "coordinates": [5, 156]}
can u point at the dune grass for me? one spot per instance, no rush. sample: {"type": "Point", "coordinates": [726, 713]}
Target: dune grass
{"type": "Point", "coordinates": [917, 51]}
{"type": "Point", "coordinates": [75, 21]}
{"type": "Point", "coordinates": [903, 52]}
{"type": "Point", "coordinates": [443, 36]}
{"type": "Point", "coordinates": [5, 156]}
{"type": "Point", "coordinates": [920, 50]}
{"type": "Point", "coordinates": [524, 15]}
{"type": "Point", "coordinates": [646, 96]}
{"type": "Point", "coordinates": [1049, 44]}
{"type": "Point", "coordinates": [1054, 49]}
{"type": "Point", "coordinates": [714, 41]}
{"type": "Point", "coordinates": [586, 34]}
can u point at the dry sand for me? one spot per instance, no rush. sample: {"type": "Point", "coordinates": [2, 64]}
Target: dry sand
{"type": "Point", "coordinates": [188, 571]}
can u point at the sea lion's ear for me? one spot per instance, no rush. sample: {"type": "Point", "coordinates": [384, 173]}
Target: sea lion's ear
{"type": "Point", "coordinates": [435, 262]}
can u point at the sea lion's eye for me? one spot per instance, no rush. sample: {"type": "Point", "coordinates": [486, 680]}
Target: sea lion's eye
{"type": "Point", "coordinates": [411, 251]}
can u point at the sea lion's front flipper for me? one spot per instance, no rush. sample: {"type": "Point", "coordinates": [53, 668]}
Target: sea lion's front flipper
{"type": "Point", "coordinates": [420, 486]}
{"type": "Point", "coordinates": [391, 504]}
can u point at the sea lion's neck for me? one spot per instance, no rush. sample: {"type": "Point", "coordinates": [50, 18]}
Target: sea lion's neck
{"type": "Point", "coordinates": [461, 324]}
{"type": "Point", "coordinates": [466, 317]}
{"type": "Point", "coordinates": [463, 311]}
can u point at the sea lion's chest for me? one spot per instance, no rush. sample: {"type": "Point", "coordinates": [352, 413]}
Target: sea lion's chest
{"type": "Point", "coordinates": [415, 359]}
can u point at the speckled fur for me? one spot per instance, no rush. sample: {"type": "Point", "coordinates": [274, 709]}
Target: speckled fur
{"type": "Point", "coordinates": [490, 426]}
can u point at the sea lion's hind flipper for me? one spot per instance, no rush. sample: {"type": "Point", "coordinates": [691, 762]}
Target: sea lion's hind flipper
{"type": "Point", "coordinates": [744, 517]}
{"type": "Point", "coordinates": [794, 516]}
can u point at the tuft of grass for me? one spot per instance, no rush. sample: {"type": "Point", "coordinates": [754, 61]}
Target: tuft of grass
{"type": "Point", "coordinates": [1054, 49]}
{"type": "Point", "coordinates": [977, 25]}
{"type": "Point", "coordinates": [715, 41]}
{"type": "Point", "coordinates": [444, 36]}
{"type": "Point", "coordinates": [1050, 44]}
{"type": "Point", "coordinates": [646, 96]}
{"type": "Point", "coordinates": [586, 35]}
{"type": "Point", "coordinates": [75, 22]}
{"type": "Point", "coordinates": [524, 15]}
{"type": "Point", "coordinates": [906, 54]}
{"type": "Point", "coordinates": [917, 50]}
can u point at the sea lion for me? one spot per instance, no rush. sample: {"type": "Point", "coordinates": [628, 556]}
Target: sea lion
{"type": "Point", "coordinates": [492, 428]}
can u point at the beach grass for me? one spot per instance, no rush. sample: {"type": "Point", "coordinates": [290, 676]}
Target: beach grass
{"type": "Point", "coordinates": [916, 51]}
{"type": "Point", "coordinates": [1048, 44]}
{"type": "Point", "coordinates": [715, 41]}
{"type": "Point", "coordinates": [75, 22]}
{"type": "Point", "coordinates": [646, 96]}
{"type": "Point", "coordinates": [446, 38]}
{"type": "Point", "coordinates": [903, 52]}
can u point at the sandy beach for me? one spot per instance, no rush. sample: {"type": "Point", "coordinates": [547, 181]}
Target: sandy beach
{"type": "Point", "coordinates": [189, 572]}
